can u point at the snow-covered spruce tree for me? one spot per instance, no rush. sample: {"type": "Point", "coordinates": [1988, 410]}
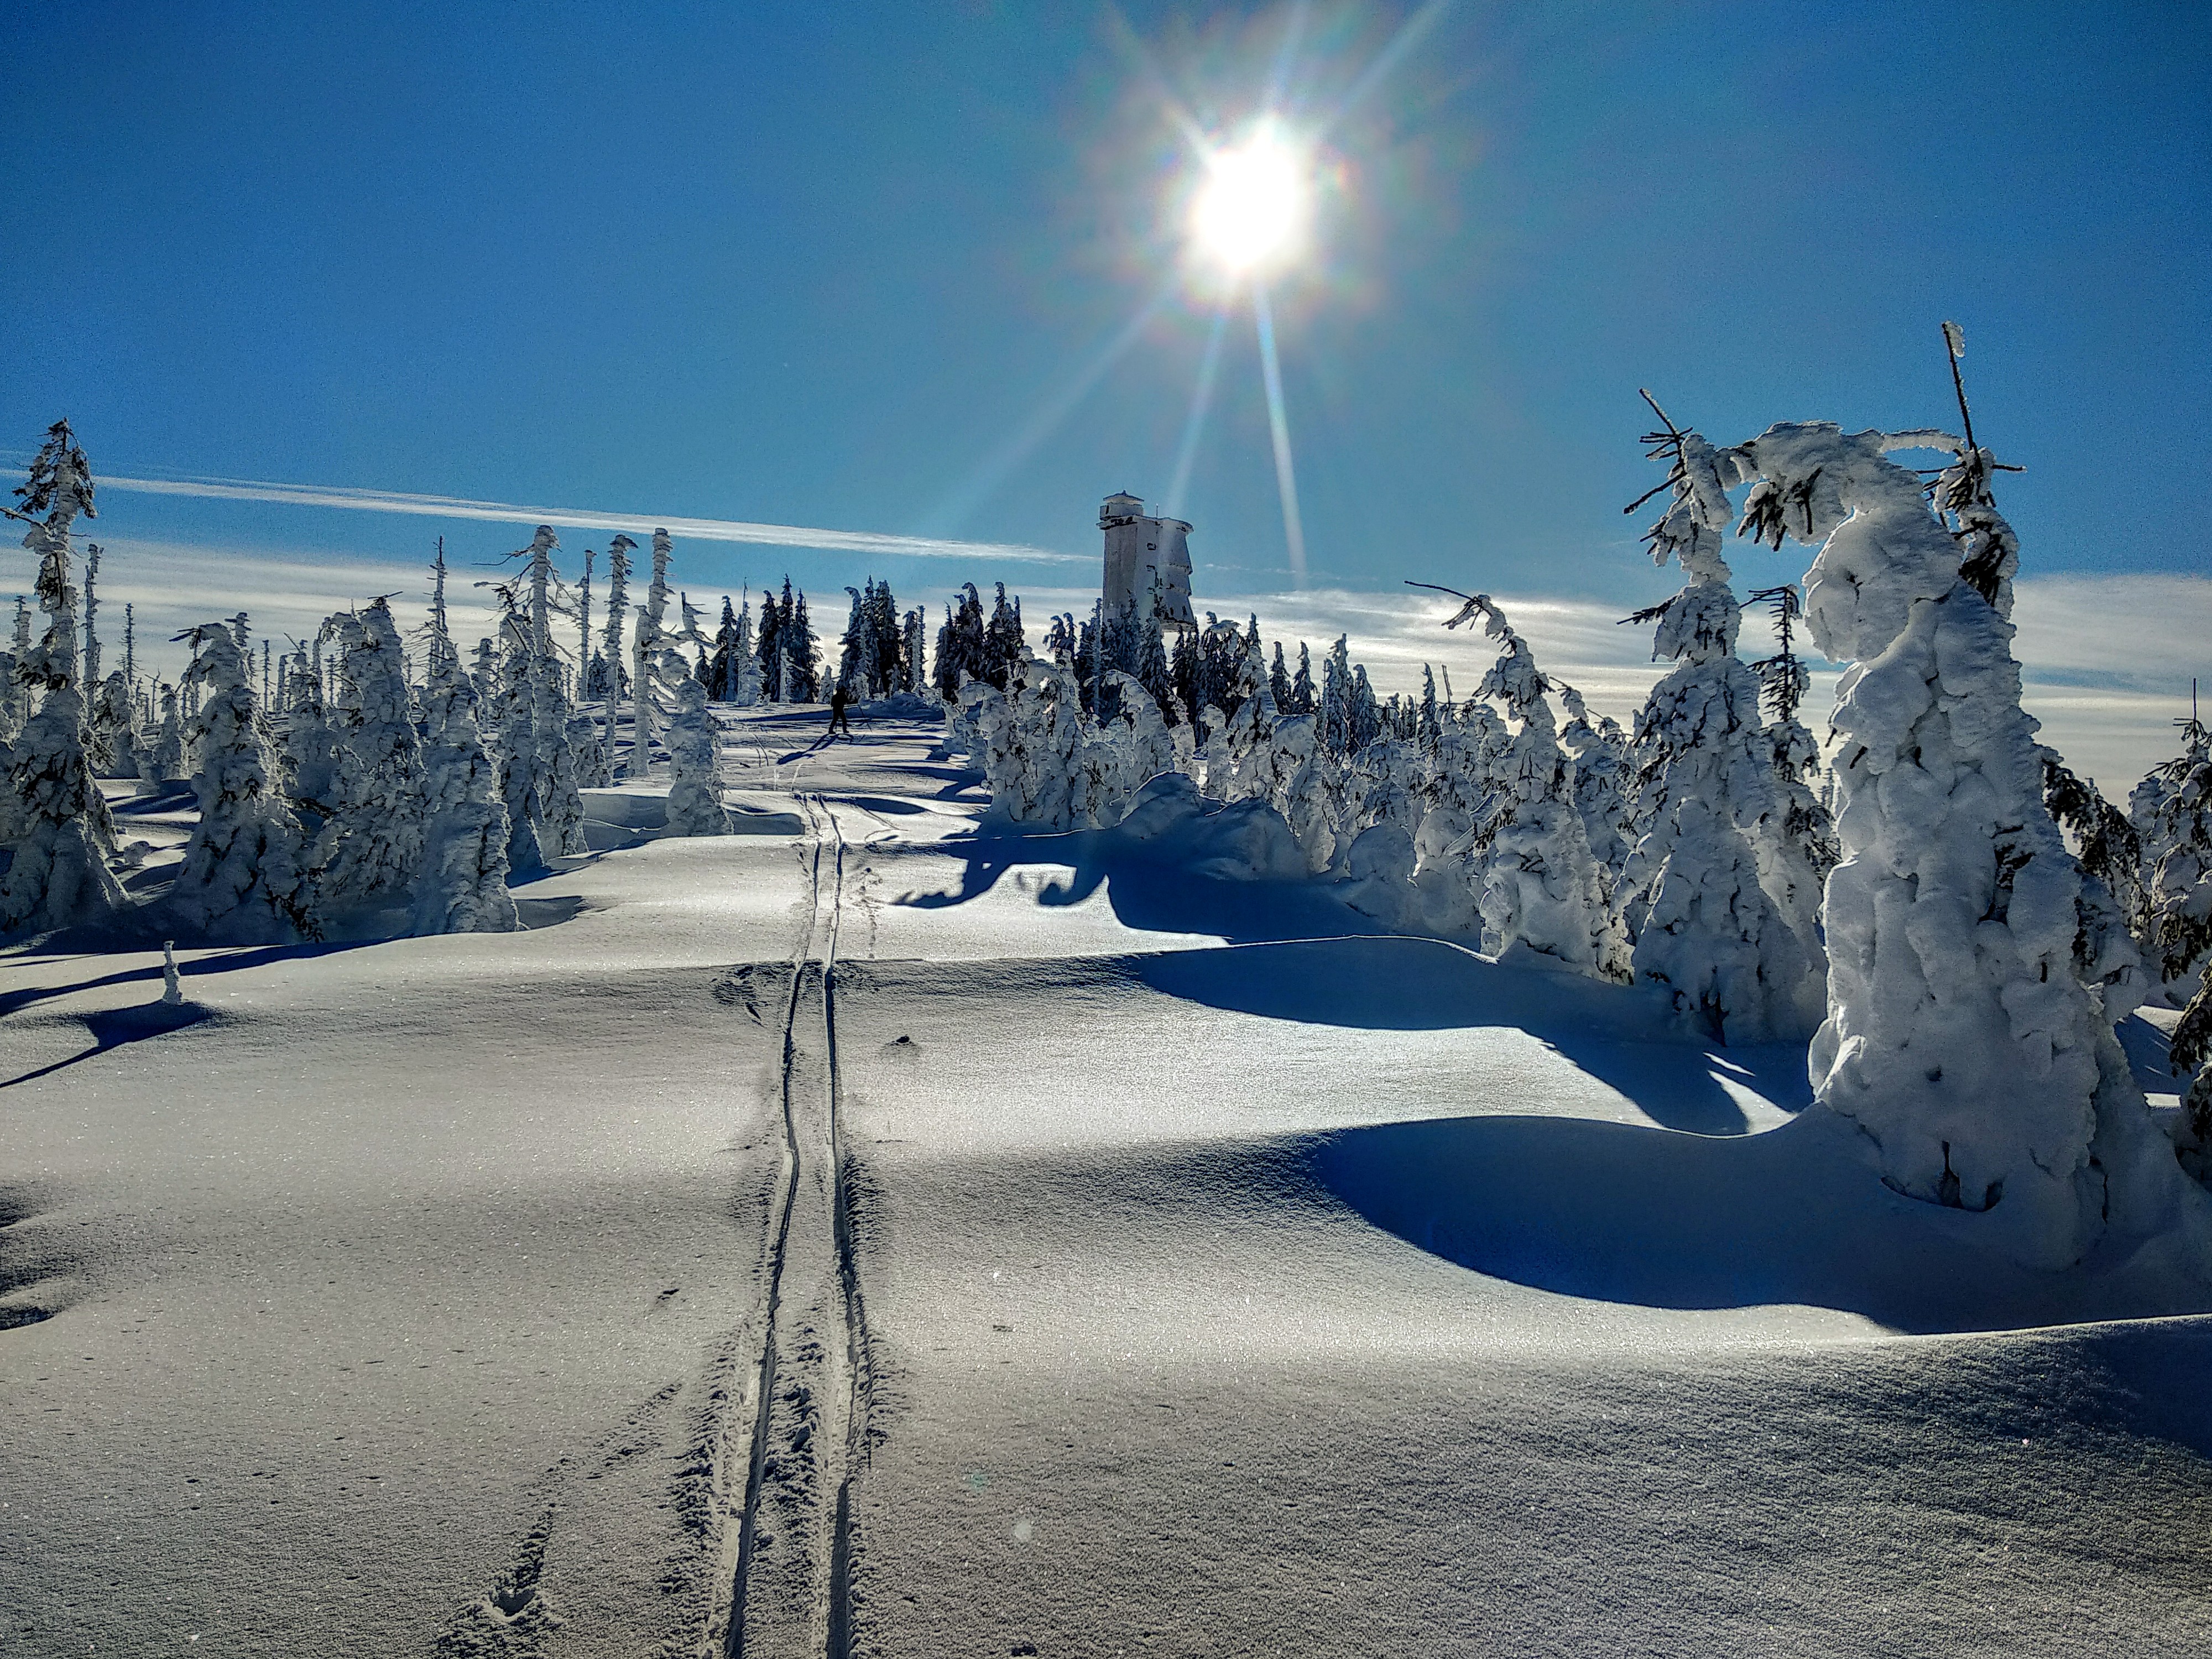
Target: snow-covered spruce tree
{"type": "Point", "coordinates": [110, 731]}
{"type": "Point", "coordinates": [913, 662]}
{"type": "Point", "coordinates": [1541, 888]}
{"type": "Point", "coordinates": [369, 851]}
{"type": "Point", "coordinates": [1307, 789]}
{"type": "Point", "coordinates": [609, 663]}
{"type": "Point", "coordinates": [57, 825]}
{"type": "Point", "coordinates": [556, 809]}
{"type": "Point", "coordinates": [245, 878]}
{"type": "Point", "coordinates": [1808, 848]}
{"type": "Point", "coordinates": [169, 741]}
{"type": "Point", "coordinates": [463, 889]}
{"type": "Point", "coordinates": [731, 647]}
{"type": "Point", "coordinates": [91, 555]}
{"type": "Point", "coordinates": [484, 674]}
{"type": "Point", "coordinates": [588, 748]}
{"type": "Point", "coordinates": [2111, 856]}
{"type": "Point", "coordinates": [1460, 800]}
{"type": "Point", "coordinates": [2181, 933]}
{"type": "Point", "coordinates": [1302, 699]}
{"type": "Point", "coordinates": [1692, 896]}
{"type": "Point", "coordinates": [1032, 737]}
{"type": "Point", "coordinates": [1004, 643]}
{"type": "Point", "coordinates": [694, 774]}
{"type": "Point", "coordinates": [1236, 761]}
{"type": "Point", "coordinates": [1959, 1035]}
{"type": "Point", "coordinates": [745, 665]}
{"type": "Point", "coordinates": [960, 654]}
{"type": "Point", "coordinates": [1598, 751]}
{"type": "Point", "coordinates": [1125, 752]}
{"type": "Point", "coordinates": [2171, 812]}
{"type": "Point", "coordinates": [15, 690]}
{"type": "Point", "coordinates": [645, 646]}
{"type": "Point", "coordinates": [310, 755]}
{"type": "Point", "coordinates": [858, 668]}
{"type": "Point", "coordinates": [516, 738]}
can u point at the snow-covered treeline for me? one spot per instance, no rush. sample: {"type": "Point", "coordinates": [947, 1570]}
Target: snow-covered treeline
{"type": "Point", "coordinates": [1918, 912]}
{"type": "Point", "coordinates": [363, 782]}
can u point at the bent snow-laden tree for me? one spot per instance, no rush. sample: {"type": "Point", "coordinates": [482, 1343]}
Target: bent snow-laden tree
{"type": "Point", "coordinates": [56, 824]}
{"type": "Point", "coordinates": [245, 877]}
{"type": "Point", "coordinates": [1703, 925]}
{"type": "Point", "coordinates": [1960, 1035]}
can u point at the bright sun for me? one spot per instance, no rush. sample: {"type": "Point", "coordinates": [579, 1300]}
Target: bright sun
{"type": "Point", "coordinates": [1251, 212]}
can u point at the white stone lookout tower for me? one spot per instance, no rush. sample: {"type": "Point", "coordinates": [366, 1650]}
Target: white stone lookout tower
{"type": "Point", "coordinates": [1148, 559]}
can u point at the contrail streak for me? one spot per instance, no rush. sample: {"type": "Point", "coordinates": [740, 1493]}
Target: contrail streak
{"type": "Point", "coordinates": [1279, 423]}
{"type": "Point", "coordinates": [1194, 423]}
{"type": "Point", "coordinates": [705, 530]}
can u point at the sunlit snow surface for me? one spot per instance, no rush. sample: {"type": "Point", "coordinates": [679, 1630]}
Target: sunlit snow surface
{"type": "Point", "coordinates": [1235, 1283]}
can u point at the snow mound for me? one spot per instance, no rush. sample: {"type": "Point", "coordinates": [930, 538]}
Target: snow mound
{"type": "Point", "coordinates": [1243, 839]}
{"type": "Point", "coordinates": [1797, 1215]}
{"type": "Point", "coordinates": [905, 706]}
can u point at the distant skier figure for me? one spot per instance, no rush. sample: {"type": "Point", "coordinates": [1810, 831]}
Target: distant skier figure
{"type": "Point", "coordinates": [838, 699]}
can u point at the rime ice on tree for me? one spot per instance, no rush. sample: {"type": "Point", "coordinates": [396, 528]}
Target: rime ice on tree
{"type": "Point", "coordinates": [246, 874]}
{"type": "Point", "coordinates": [645, 645]}
{"type": "Point", "coordinates": [694, 790]}
{"type": "Point", "coordinates": [1541, 888]}
{"type": "Point", "coordinates": [370, 849]}
{"type": "Point", "coordinates": [57, 825]}
{"type": "Point", "coordinates": [1959, 1035]}
{"type": "Point", "coordinates": [463, 889]}
{"type": "Point", "coordinates": [1703, 927]}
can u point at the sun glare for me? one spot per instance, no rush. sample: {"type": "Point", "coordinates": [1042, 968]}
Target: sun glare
{"type": "Point", "coordinates": [1251, 212]}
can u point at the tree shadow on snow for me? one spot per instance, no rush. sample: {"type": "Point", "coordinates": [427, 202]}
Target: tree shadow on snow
{"type": "Point", "coordinates": [2150, 1056]}
{"type": "Point", "coordinates": [1797, 1216]}
{"type": "Point", "coordinates": [111, 1028]}
{"type": "Point", "coordinates": [228, 962]}
{"type": "Point", "coordinates": [1144, 893]}
{"type": "Point", "coordinates": [1300, 953]}
{"type": "Point", "coordinates": [1621, 1036]}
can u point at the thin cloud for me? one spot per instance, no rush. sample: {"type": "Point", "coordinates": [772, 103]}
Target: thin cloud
{"type": "Point", "coordinates": [705, 530]}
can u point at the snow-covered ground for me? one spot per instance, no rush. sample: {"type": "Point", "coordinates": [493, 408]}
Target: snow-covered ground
{"type": "Point", "coordinates": [1138, 1262]}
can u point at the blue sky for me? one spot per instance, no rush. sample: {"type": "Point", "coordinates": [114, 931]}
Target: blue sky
{"type": "Point", "coordinates": [826, 267]}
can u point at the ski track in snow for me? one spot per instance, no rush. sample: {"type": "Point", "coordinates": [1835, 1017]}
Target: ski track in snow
{"type": "Point", "coordinates": [799, 1459]}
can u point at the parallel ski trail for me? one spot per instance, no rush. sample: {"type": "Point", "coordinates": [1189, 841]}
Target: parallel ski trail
{"type": "Point", "coordinates": [852, 1395]}
{"type": "Point", "coordinates": [808, 1422]}
{"type": "Point", "coordinates": [727, 1617]}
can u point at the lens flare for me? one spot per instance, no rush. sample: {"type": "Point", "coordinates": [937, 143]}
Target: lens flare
{"type": "Point", "coordinates": [1251, 212]}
